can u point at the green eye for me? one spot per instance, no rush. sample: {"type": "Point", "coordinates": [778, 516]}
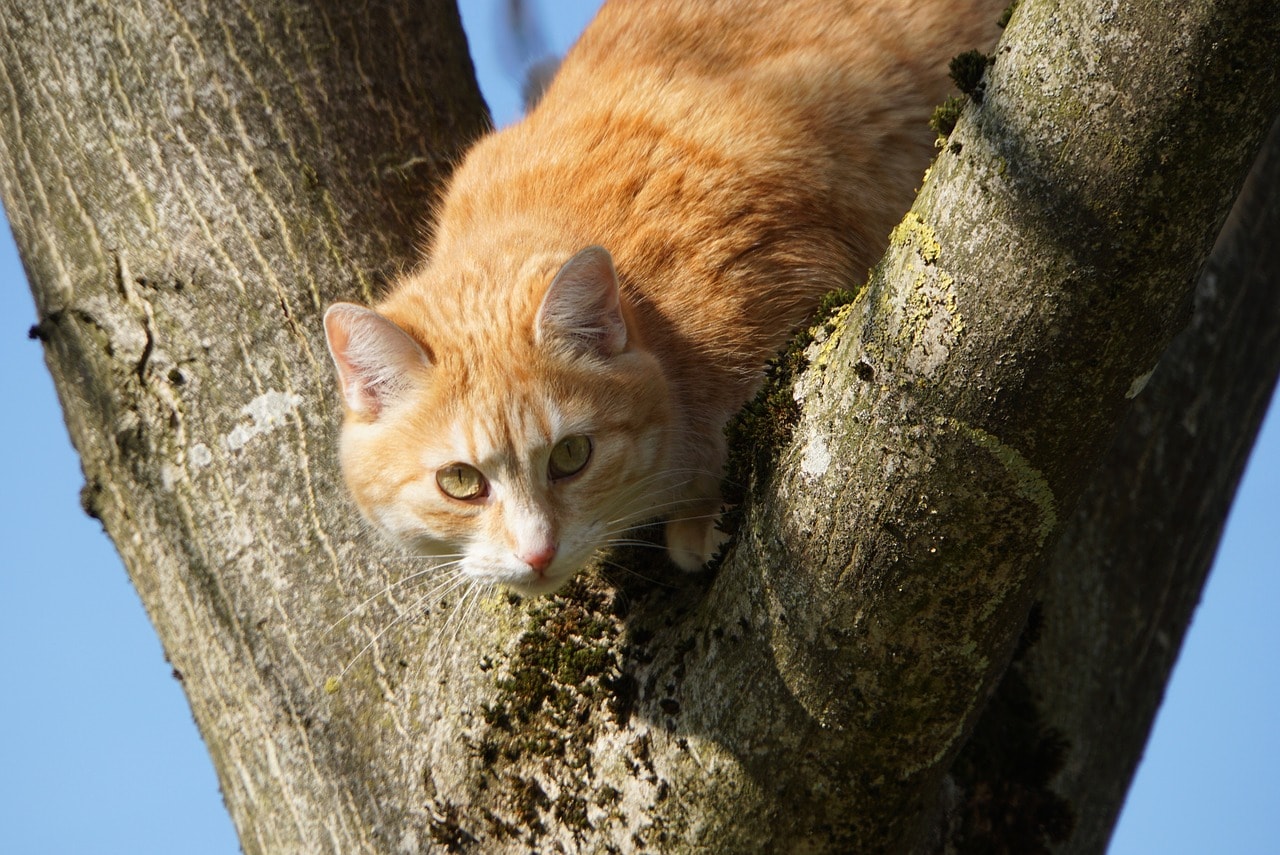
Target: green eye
{"type": "Point", "coordinates": [460, 481]}
{"type": "Point", "coordinates": [569, 456]}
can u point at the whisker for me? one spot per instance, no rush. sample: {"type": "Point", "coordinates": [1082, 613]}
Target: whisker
{"type": "Point", "coordinates": [643, 522]}
{"type": "Point", "coordinates": [651, 509]}
{"type": "Point", "coordinates": [638, 575]}
{"type": "Point", "coordinates": [472, 610]}
{"type": "Point", "coordinates": [377, 636]}
{"type": "Point", "coordinates": [410, 578]}
{"type": "Point", "coordinates": [690, 470]}
{"type": "Point", "coordinates": [645, 543]}
{"type": "Point", "coordinates": [442, 589]}
{"type": "Point", "coordinates": [692, 517]}
{"type": "Point", "coordinates": [449, 556]}
{"type": "Point", "coordinates": [457, 617]}
{"type": "Point", "coordinates": [638, 503]}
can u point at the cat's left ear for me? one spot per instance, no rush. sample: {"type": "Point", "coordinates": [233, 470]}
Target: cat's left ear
{"type": "Point", "coordinates": [582, 308]}
{"type": "Point", "coordinates": [374, 357]}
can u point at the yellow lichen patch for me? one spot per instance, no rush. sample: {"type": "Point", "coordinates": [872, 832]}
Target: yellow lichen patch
{"type": "Point", "coordinates": [947, 281]}
{"type": "Point", "coordinates": [835, 328]}
{"type": "Point", "coordinates": [930, 313]}
{"type": "Point", "coordinates": [913, 232]}
{"type": "Point", "coordinates": [916, 313]}
{"type": "Point", "coordinates": [931, 320]}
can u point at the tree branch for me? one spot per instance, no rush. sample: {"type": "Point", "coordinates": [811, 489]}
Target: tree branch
{"type": "Point", "coordinates": [189, 190]}
{"type": "Point", "coordinates": [1127, 575]}
{"type": "Point", "coordinates": [959, 406]}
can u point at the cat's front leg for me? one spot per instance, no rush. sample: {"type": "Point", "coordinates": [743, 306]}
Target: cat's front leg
{"type": "Point", "coordinates": [692, 536]}
{"type": "Point", "coordinates": [691, 543]}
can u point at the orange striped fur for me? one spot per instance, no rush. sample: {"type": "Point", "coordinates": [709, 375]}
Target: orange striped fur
{"type": "Point", "coordinates": [737, 160]}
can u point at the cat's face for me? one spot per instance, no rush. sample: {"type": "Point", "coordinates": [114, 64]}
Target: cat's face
{"type": "Point", "coordinates": [518, 463]}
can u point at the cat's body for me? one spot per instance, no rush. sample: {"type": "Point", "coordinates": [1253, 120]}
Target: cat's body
{"type": "Point", "coordinates": [737, 160]}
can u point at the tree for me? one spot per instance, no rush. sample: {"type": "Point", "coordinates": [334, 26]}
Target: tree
{"type": "Point", "coordinates": [190, 187]}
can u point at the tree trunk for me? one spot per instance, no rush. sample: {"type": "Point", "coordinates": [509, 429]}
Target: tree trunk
{"type": "Point", "coordinates": [189, 189]}
{"type": "Point", "coordinates": [189, 186]}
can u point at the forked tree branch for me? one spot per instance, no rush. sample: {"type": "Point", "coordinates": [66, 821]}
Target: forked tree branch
{"type": "Point", "coordinates": [189, 188]}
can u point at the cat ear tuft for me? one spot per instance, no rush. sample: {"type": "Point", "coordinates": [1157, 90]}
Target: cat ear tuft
{"type": "Point", "coordinates": [582, 308]}
{"type": "Point", "coordinates": [374, 357]}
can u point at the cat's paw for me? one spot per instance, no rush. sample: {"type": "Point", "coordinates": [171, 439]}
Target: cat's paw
{"type": "Point", "coordinates": [692, 543]}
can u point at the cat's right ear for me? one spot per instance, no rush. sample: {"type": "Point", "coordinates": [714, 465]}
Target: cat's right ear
{"type": "Point", "coordinates": [582, 309]}
{"type": "Point", "coordinates": [374, 357]}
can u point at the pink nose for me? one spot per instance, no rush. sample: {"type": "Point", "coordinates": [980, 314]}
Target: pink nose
{"type": "Point", "coordinates": [539, 558]}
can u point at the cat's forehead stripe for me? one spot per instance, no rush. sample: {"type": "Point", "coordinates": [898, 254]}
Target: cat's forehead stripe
{"type": "Point", "coordinates": [514, 427]}
{"type": "Point", "coordinates": [528, 423]}
{"type": "Point", "coordinates": [462, 444]}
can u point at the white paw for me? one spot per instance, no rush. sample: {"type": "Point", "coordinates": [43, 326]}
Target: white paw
{"type": "Point", "coordinates": [692, 543]}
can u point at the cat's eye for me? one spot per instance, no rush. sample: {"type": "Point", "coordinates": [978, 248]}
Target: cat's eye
{"type": "Point", "coordinates": [569, 456]}
{"type": "Point", "coordinates": [460, 481]}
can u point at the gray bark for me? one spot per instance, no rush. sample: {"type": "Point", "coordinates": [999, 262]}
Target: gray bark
{"type": "Point", "coordinates": [188, 189]}
{"type": "Point", "coordinates": [1135, 556]}
{"type": "Point", "coordinates": [1062, 738]}
{"type": "Point", "coordinates": [189, 186]}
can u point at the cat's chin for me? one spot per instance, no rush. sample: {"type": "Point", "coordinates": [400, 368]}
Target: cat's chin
{"type": "Point", "coordinates": [524, 582]}
{"type": "Point", "coordinates": [537, 586]}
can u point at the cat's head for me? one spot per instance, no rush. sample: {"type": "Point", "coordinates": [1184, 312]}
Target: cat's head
{"type": "Point", "coordinates": [517, 451]}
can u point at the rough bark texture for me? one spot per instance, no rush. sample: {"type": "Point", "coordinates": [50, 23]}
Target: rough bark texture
{"type": "Point", "coordinates": [1058, 745]}
{"type": "Point", "coordinates": [1170, 479]}
{"type": "Point", "coordinates": [189, 187]}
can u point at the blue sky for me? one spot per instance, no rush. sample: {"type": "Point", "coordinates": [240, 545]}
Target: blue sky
{"type": "Point", "coordinates": [98, 752]}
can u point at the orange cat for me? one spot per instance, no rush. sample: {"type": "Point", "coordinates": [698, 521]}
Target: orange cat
{"type": "Point", "coordinates": [608, 277]}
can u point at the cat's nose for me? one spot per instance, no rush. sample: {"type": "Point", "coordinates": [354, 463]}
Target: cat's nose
{"type": "Point", "coordinates": [539, 558]}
